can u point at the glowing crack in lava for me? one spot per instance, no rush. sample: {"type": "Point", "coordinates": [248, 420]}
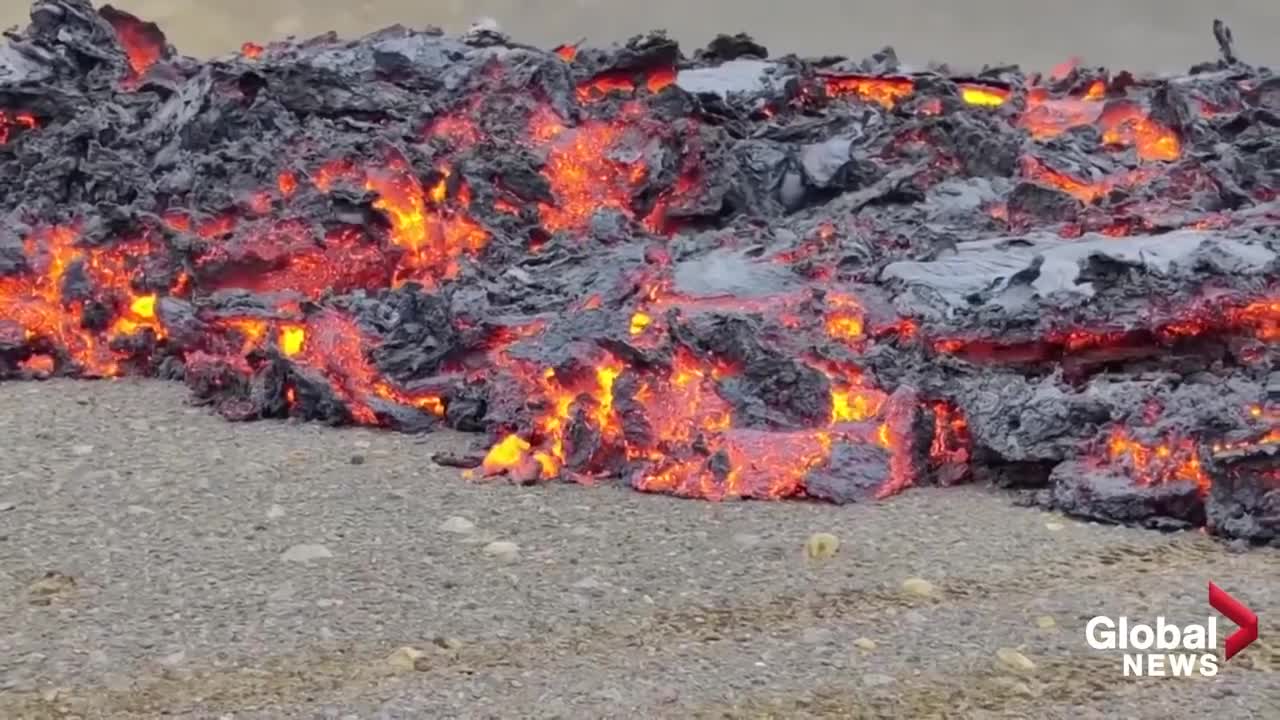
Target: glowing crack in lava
{"type": "Point", "coordinates": [1084, 191]}
{"type": "Point", "coordinates": [600, 86]}
{"type": "Point", "coordinates": [432, 236]}
{"type": "Point", "coordinates": [1126, 125]}
{"type": "Point", "coordinates": [884, 91]}
{"type": "Point", "coordinates": [1170, 460]}
{"type": "Point", "coordinates": [143, 42]}
{"type": "Point", "coordinates": [586, 167]}
{"type": "Point", "coordinates": [11, 121]}
{"type": "Point", "coordinates": [983, 95]}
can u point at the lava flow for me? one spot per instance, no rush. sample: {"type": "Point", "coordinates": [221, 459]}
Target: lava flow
{"type": "Point", "coordinates": [714, 276]}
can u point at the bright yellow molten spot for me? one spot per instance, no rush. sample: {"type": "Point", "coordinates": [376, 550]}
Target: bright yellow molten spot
{"type": "Point", "coordinates": [504, 455]}
{"type": "Point", "coordinates": [639, 322]}
{"type": "Point", "coordinates": [984, 97]}
{"type": "Point", "coordinates": [292, 338]}
{"type": "Point", "coordinates": [144, 306]}
{"type": "Point", "coordinates": [851, 406]}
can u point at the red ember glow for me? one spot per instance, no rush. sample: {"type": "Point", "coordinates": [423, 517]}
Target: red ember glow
{"type": "Point", "coordinates": [143, 42]}
{"type": "Point", "coordinates": [1170, 460]}
{"type": "Point", "coordinates": [10, 121]}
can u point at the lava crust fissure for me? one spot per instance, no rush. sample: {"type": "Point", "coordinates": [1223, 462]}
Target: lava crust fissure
{"type": "Point", "coordinates": [725, 275]}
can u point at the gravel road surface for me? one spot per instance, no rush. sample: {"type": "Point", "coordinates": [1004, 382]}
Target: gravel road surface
{"type": "Point", "coordinates": [156, 560]}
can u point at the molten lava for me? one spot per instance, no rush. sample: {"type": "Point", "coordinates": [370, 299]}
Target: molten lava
{"type": "Point", "coordinates": [838, 286]}
{"type": "Point", "coordinates": [14, 121]}
{"type": "Point", "coordinates": [1169, 460]}
{"type": "Point", "coordinates": [884, 91]}
{"type": "Point", "coordinates": [143, 43]}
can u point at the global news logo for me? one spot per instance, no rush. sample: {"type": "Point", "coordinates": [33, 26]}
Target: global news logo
{"type": "Point", "coordinates": [1170, 650]}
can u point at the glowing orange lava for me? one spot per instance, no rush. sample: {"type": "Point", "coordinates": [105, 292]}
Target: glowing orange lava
{"type": "Point", "coordinates": [143, 42]}
{"type": "Point", "coordinates": [1170, 460]}
{"type": "Point", "coordinates": [36, 302]}
{"type": "Point", "coordinates": [600, 86]}
{"type": "Point", "coordinates": [983, 95]}
{"type": "Point", "coordinates": [9, 121]}
{"type": "Point", "coordinates": [584, 177]}
{"type": "Point", "coordinates": [1126, 125]}
{"type": "Point", "coordinates": [885, 91]}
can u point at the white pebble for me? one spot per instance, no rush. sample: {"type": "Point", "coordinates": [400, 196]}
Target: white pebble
{"type": "Point", "coordinates": [306, 552]}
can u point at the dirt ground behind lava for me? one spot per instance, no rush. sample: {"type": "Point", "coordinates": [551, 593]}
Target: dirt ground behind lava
{"type": "Point", "coordinates": [178, 543]}
{"type": "Point", "coordinates": [1159, 35]}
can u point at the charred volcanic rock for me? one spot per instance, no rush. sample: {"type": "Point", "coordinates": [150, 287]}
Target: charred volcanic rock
{"type": "Point", "coordinates": [722, 275]}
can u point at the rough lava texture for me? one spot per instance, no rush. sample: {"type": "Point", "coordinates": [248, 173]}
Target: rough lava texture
{"type": "Point", "coordinates": [714, 275]}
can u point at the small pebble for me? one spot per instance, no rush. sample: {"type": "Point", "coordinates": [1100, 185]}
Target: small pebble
{"type": "Point", "coordinates": [1046, 622]}
{"type": "Point", "coordinates": [275, 512]}
{"type": "Point", "coordinates": [405, 658]}
{"type": "Point", "coordinates": [821, 546]}
{"type": "Point", "coordinates": [458, 525]}
{"type": "Point", "coordinates": [865, 644]}
{"type": "Point", "coordinates": [6, 506]}
{"type": "Point", "coordinates": [919, 587]}
{"type": "Point", "coordinates": [306, 552]}
{"type": "Point", "coordinates": [357, 459]}
{"type": "Point", "coordinates": [52, 583]}
{"type": "Point", "coordinates": [1052, 526]}
{"type": "Point", "coordinates": [81, 450]}
{"type": "Point", "coordinates": [503, 550]}
{"type": "Point", "coordinates": [1014, 660]}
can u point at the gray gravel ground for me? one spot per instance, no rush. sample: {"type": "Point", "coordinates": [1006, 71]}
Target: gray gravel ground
{"type": "Point", "coordinates": [173, 528]}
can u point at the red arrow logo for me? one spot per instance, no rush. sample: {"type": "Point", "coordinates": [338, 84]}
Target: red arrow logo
{"type": "Point", "coordinates": [1237, 613]}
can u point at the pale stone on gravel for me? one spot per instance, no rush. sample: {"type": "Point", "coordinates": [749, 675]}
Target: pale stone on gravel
{"type": "Point", "coordinates": [919, 587]}
{"type": "Point", "coordinates": [821, 546]}
{"type": "Point", "coordinates": [457, 525]}
{"type": "Point", "coordinates": [1046, 622]}
{"type": "Point", "coordinates": [275, 512]}
{"type": "Point", "coordinates": [504, 550]}
{"type": "Point", "coordinates": [6, 506]}
{"type": "Point", "coordinates": [51, 584]}
{"type": "Point", "coordinates": [405, 658]}
{"type": "Point", "coordinates": [1014, 660]}
{"type": "Point", "coordinates": [306, 552]}
{"type": "Point", "coordinates": [865, 644]}
{"type": "Point", "coordinates": [1054, 526]}
{"type": "Point", "coordinates": [876, 680]}
{"type": "Point", "coordinates": [81, 450]}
